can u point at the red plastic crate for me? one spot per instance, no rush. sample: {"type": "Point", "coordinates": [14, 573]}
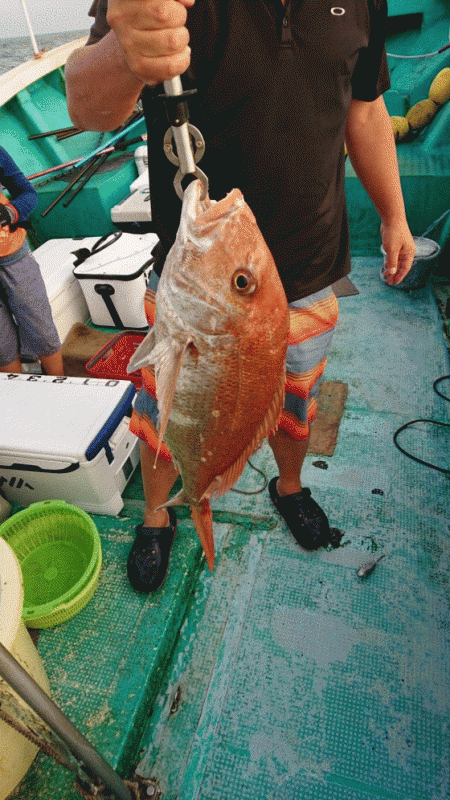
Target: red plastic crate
{"type": "Point", "coordinates": [112, 360]}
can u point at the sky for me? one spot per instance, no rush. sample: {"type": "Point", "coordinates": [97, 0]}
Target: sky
{"type": "Point", "coordinates": [46, 17]}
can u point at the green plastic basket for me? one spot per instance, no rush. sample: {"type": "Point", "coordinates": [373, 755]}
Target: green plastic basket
{"type": "Point", "coordinates": [59, 550]}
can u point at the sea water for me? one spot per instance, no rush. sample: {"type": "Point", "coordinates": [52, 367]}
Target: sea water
{"type": "Point", "coordinates": [17, 50]}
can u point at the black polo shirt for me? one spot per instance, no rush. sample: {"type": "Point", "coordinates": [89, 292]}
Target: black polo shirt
{"type": "Point", "coordinates": [274, 88]}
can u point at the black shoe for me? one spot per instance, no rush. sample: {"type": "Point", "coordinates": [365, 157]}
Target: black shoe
{"type": "Point", "coordinates": [304, 518]}
{"type": "Point", "coordinates": [149, 556]}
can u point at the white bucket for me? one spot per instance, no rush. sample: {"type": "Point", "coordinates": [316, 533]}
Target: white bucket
{"type": "Point", "coordinates": [427, 252]}
{"type": "Point", "coordinates": [16, 752]}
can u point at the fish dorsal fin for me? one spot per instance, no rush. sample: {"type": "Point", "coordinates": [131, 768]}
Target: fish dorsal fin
{"type": "Point", "coordinates": [223, 483]}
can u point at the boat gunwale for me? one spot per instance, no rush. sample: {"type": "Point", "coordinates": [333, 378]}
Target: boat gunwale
{"type": "Point", "coordinates": [22, 76]}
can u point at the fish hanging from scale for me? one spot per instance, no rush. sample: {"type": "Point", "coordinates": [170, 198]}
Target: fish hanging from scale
{"type": "Point", "coordinates": [218, 347]}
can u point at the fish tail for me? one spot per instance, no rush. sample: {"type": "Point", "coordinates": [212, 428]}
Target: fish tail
{"type": "Point", "coordinates": [202, 516]}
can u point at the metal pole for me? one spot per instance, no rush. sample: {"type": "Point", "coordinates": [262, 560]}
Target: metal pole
{"type": "Point", "coordinates": [36, 52]}
{"type": "Point", "coordinates": [180, 133]}
{"type": "Point", "coordinates": [14, 674]}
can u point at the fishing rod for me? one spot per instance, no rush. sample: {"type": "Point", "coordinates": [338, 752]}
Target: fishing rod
{"type": "Point", "coordinates": [99, 150]}
{"type": "Point", "coordinates": [75, 161]}
{"type": "Point", "coordinates": [93, 163]}
{"type": "Point", "coordinates": [107, 148]}
{"type": "Point", "coordinates": [92, 169]}
{"type": "Point", "coordinates": [57, 132]}
{"type": "Point", "coordinates": [86, 171]}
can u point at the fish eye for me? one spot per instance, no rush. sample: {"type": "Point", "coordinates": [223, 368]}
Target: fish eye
{"type": "Point", "coordinates": [243, 281]}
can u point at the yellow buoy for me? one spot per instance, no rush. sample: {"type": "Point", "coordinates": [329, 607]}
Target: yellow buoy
{"type": "Point", "coordinates": [400, 127]}
{"type": "Point", "coordinates": [440, 88]}
{"type": "Point", "coordinates": [421, 113]}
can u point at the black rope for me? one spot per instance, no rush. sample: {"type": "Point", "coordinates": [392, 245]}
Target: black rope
{"type": "Point", "coordinates": [444, 470]}
{"type": "Point", "coordinates": [256, 491]}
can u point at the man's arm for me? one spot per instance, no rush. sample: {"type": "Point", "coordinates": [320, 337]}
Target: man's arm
{"type": "Point", "coordinates": [371, 148]}
{"type": "Point", "coordinates": [147, 44]}
{"type": "Point", "coordinates": [23, 195]}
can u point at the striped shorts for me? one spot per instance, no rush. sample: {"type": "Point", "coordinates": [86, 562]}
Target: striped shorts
{"type": "Point", "coordinates": [312, 323]}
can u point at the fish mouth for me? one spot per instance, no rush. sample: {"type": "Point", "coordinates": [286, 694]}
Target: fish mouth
{"type": "Point", "coordinates": [198, 231]}
{"type": "Point", "coordinates": [200, 218]}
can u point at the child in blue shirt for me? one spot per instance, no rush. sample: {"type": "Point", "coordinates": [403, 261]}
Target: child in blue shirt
{"type": "Point", "coordinates": [26, 322]}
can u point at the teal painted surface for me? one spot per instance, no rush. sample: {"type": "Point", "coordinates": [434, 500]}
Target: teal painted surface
{"type": "Point", "coordinates": [105, 665]}
{"type": "Point", "coordinates": [430, 9]}
{"type": "Point", "coordinates": [89, 214]}
{"type": "Point", "coordinates": [282, 675]}
{"type": "Point", "coordinates": [43, 107]}
{"type": "Point", "coordinates": [293, 678]}
{"type": "Point", "coordinates": [424, 162]}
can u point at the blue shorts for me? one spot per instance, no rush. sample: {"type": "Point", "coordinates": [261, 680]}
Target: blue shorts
{"type": "Point", "coordinates": [26, 322]}
{"type": "Point", "coordinates": [312, 323]}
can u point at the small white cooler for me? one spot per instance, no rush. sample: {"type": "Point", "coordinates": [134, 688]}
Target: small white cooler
{"type": "Point", "coordinates": [66, 439]}
{"type": "Point", "coordinates": [114, 281]}
{"type": "Point", "coordinates": [57, 260]}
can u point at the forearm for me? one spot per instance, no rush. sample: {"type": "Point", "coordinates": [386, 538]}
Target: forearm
{"type": "Point", "coordinates": [101, 91]}
{"type": "Point", "coordinates": [147, 44]}
{"type": "Point", "coordinates": [22, 193]}
{"type": "Point", "coordinates": [372, 152]}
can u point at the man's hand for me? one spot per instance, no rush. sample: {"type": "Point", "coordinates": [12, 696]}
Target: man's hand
{"type": "Point", "coordinates": [400, 249]}
{"type": "Point", "coordinates": [6, 215]}
{"type": "Point", "coordinates": [152, 37]}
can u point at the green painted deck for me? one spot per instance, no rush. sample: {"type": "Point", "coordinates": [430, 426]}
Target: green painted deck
{"type": "Point", "coordinates": [283, 675]}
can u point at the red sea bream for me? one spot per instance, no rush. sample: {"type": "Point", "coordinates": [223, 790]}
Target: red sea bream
{"type": "Point", "coordinates": [218, 346]}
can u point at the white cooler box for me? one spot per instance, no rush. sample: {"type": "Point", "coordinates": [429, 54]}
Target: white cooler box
{"type": "Point", "coordinates": [136, 207]}
{"type": "Point", "coordinates": [66, 439]}
{"type": "Point", "coordinates": [114, 280]}
{"type": "Point", "coordinates": [56, 260]}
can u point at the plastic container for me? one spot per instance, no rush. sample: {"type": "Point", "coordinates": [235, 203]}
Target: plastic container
{"type": "Point", "coordinates": [57, 258]}
{"type": "Point", "coordinates": [112, 360]}
{"type": "Point", "coordinates": [5, 508]}
{"type": "Point", "coordinates": [114, 278]}
{"type": "Point", "coordinates": [74, 443]}
{"type": "Point", "coordinates": [16, 752]}
{"type": "Point", "coordinates": [59, 551]}
{"type": "Point", "coordinates": [427, 252]}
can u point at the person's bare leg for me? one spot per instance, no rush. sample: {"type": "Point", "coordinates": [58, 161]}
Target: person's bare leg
{"type": "Point", "coordinates": [53, 364]}
{"type": "Point", "coordinates": [13, 366]}
{"type": "Point", "coordinates": [289, 455]}
{"type": "Point", "coordinates": [157, 485]}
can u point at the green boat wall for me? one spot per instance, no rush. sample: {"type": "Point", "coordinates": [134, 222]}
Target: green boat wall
{"type": "Point", "coordinates": [415, 27]}
{"type": "Point", "coordinates": [424, 157]}
{"type": "Point", "coordinates": [42, 107]}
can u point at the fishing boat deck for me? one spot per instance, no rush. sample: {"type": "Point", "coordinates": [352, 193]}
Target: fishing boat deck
{"type": "Point", "coordinates": [282, 674]}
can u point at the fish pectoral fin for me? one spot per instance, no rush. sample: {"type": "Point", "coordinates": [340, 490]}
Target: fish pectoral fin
{"type": "Point", "coordinates": [143, 354]}
{"type": "Point", "coordinates": [168, 356]}
{"type": "Point", "coordinates": [178, 499]}
{"type": "Point", "coordinates": [202, 517]}
{"type": "Point", "coordinates": [212, 489]}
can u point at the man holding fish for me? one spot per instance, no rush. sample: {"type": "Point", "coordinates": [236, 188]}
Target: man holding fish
{"type": "Point", "coordinates": [281, 84]}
